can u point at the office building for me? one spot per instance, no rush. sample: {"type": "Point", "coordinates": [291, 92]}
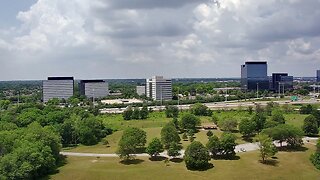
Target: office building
{"type": "Point", "coordinates": [159, 88]}
{"type": "Point", "coordinates": [57, 87]}
{"type": "Point", "coordinates": [141, 90]}
{"type": "Point", "coordinates": [94, 88]}
{"type": "Point", "coordinates": [318, 75]}
{"type": "Point", "coordinates": [281, 82]}
{"type": "Point", "coordinates": [254, 75]}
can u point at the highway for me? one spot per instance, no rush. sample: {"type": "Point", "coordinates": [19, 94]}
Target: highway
{"type": "Point", "coordinates": [220, 105]}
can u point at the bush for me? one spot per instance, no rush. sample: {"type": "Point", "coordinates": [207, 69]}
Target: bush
{"type": "Point", "coordinates": [310, 125]}
{"type": "Point", "coordinates": [189, 121]}
{"type": "Point", "coordinates": [228, 124]}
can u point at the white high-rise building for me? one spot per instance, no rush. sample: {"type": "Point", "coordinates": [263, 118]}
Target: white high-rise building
{"type": "Point", "coordinates": [159, 88]}
{"type": "Point", "coordinates": [57, 87]}
{"type": "Point", "coordinates": [94, 88]}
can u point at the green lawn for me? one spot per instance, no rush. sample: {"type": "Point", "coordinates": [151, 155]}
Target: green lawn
{"type": "Point", "coordinates": [295, 119]}
{"type": "Point", "coordinates": [290, 165]}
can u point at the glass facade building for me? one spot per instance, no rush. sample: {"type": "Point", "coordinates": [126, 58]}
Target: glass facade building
{"type": "Point", "coordinates": [254, 75]}
{"type": "Point", "coordinates": [281, 82]}
{"type": "Point", "coordinates": [94, 88]}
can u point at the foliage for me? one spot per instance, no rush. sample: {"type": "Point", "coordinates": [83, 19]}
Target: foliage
{"type": "Point", "coordinates": [28, 153]}
{"type": "Point", "coordinates": [135, 113]}
{"type": "Point", "coordinates": [277, 116]}
{"type": "Point", "coordinates": [250, 110]}
{"type": "Point", "coordinates": [185, 136]}
{"type": "Point", "coordinates": [306, 109]}
{"type": "Point", "coordinates": [174, 149]}
{"type": "Point", "coordinates": [247, 127]}
{"type": "Point", "coordinates": [215, 119]}
{"type": "Point", "coordinates": [199, 109]}
{"type": "Point", "coordinates": [169, 134]}
{"type": "Point", "coordinates": [267, 148]}
{"type": "Point", "coordinates": [315, 157]}
{"type": "Point", "coordinates": [196, 156]}
{"type": "Point", "coordinates": [310, 125]}
{"type": "Point", "coordinates": [4, 104]}
{"type": "Point", "coordinates": [131, 140]}
{"type": "Point", "coordinates": [155, 147]}
{"type": "Point", "coordinates": [144, 113]}
{"type": "Point", "coordinates": [172, 111]}
{"type": "Point", "coordinates": [189, 121]}
{"type": "Point", "coordinates": [228, 124]}
{"type": "Point", "coordinates": [127, 114]}
{"type": "Point", "coordinates": [228, 144]}
{"type": "Point", "coordinates": [213, 145]}
{"type": "Point", "coordinates": [285, 133]}
{"type": "Point", "coordinates": [260, 120]}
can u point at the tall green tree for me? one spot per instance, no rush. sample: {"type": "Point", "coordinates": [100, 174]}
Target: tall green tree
{"type": "Point", "coordinates": [266, 147]}
{"type": "Point", "coordinates": [228, 124]}
{"type": "Point", "coordinates": [155, 147]}
{"type": "Point", "coordinates": [131, 141]}
{"type": "Point", "coordinates": [189, 121]}
{"type": "Point", "coordinates": [172, 111]}
{"type": "Point", "coordinates": [310, 125]}
{"type": "Point", "coordinates": [277, 116]}
{"type": "Point", "coordinates": [169, 134]}
{"type": "Point", "coordinates": [197, 156]}
{"type": "Point", "coordinates": [213, 145]}
{"type": "Point", "coordinates": [247, 127]}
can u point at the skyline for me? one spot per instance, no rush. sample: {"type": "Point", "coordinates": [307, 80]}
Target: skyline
{"type": "Point", "coordinates": [91, 39]}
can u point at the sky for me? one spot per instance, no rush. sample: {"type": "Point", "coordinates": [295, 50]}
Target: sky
{"type": "Point", "coordinates": [104, 39]}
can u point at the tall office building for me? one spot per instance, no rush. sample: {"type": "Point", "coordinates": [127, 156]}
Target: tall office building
{"type": "Point", "coordinates": [282, 82]}
{"type": "Point", "coordinates": [94, 88]}
{"type": "Point", "coordinates": [159, 88]}
{"type": "Point", "coordinates": [57, 87]}
{"type": "Point", "coordinates": [254, 75]}
{"type": "Point", "coordinates": [318, 75]}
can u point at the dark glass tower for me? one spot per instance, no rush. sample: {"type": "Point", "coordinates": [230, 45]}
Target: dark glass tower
{"type": "Point", "coordinates": [254, 75]}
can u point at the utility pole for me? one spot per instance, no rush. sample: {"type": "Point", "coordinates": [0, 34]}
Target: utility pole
{"type": "Point", "coordinates": [93, 97]}
{"type": "Point", "coordinates": [226, 92]}
{"type": "Point", "coordinates": [178, 98]}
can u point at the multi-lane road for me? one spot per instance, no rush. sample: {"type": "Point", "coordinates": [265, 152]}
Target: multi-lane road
{"type": "Point", "coordinates": [222, 105]}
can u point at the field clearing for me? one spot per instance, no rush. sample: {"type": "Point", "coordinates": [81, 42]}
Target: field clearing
{"type": "Point", "coordinates": [288, 165]}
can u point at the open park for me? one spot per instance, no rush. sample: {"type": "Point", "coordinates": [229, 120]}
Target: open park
{"type": "Point", "coordinates": [101, 162]}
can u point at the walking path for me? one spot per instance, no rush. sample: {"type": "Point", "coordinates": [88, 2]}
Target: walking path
{"type": "Point", "coordinates": [239, 148]}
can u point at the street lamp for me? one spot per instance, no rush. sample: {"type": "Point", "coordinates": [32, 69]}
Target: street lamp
{"type": "Point", "coordinates": [257, 90]}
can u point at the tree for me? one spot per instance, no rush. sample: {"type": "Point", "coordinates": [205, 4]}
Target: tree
{"type": "Point", "coordinates": [169, 135]}
{"type": "Point", "coordinates": [155, 147]}
{"type": "Point", "coordinates": [259, 109]}
{"type": "Point", "coordinates": [131, 140]}
{"type": "Point", "coordinates": [315, 157]}
{"type": "Point", "coordinates": [215, 119]}
{"type": "Point", "coordinates": [260, 120]}
{"type": "Point", "coordinates": [174, 149]}
{"type": "Point", "coordinates": [228, 144]}
{"type": "Point", "coordinates": [189, 121]}
{"type": "Point", "coordinates": [285, 133]}
{"type": "Point", "coordinates": [127, 114]}
{"type": "Point", "coordinates": [172, 111]}
{"type": "Point", "coordinates": [277, 116]}
{"type": "Point", "coordinates": [306, 109]}
{"type": "Point", "coordinates": [144, 113]}
{"type": "Point", "coordinates": [185, 136]}
{"type": "Point", "coordinates": [199, 109]}
{"type": "Point", "coordinates": [136, 113]}
{"type": "Point", "coordinates": [209, 133]}
{"type": "Point", "coordinates": [310, 125]}
{"type": "Point", "coordinates": [250, 110]}
{"type": "Point", "coordinates": [213, 145]}
{"type": "Point", "coordinates": [267, 148]}
{"type": "Point", "coordinates": [4, 104]}
{"type": "Point", "coordinates": [196, 156]}
{"type": "Point", "coordinates": [247, 127]}
{"type": "Point", "coordinates": [228, 124]}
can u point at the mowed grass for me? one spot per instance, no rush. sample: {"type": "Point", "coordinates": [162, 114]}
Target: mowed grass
{"type": "Point", "coordinates": [295, 119]}
{"type": "Point", "coordinates": [289, 165]}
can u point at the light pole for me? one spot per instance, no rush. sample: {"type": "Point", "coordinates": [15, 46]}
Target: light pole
{"type": "Point", "coordinates": [93, 96]}
{"type": "Point", "coordinates": [226, 92]}
{"type": "Point", "coordinates": [279, 90]}
{"type": "Point", "coordinates": [257, 90]}
{"type": "Point", "coordinates": [178, 98]}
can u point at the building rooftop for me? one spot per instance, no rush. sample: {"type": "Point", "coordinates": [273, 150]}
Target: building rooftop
{"type": "Point", "coordinates": [60, 78]}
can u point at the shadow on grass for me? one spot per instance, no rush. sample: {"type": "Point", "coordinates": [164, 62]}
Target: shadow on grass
{"type": "Point", "coordinates": [157, 158]}
{"type": "Point", "coordinates": [293, 149]}
{"type": "Point", "coordinates": [207, 167]}
{"type": "Point", "coordinates": [176, 160]}
{"type": "Point", "coordinates": [232, 158]}
{"type": "Point", "coordinates": [131, 161]}
{"type": "Point", "coordinates": [270, 162]}
{"type": "Point", "coordinates": [247, 139]}
{"type": "Point", "coordinates": [61, 162]}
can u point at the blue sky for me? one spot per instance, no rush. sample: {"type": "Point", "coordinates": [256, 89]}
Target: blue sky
{"type": "Point", "coordinates": [138, 39]}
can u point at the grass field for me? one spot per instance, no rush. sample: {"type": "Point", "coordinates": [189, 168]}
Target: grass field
{"type": "Point", "coordinates": [155, 122]}
{"type": "Point", "coordinates": [288, 165]}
